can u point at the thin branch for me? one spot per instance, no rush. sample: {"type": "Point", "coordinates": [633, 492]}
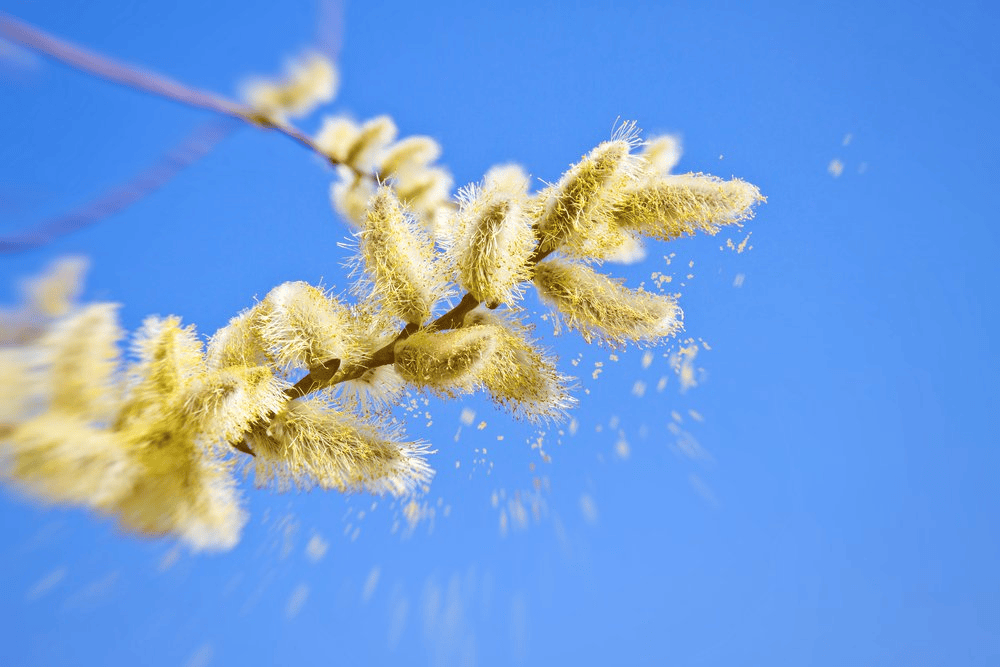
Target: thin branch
{"type": "Point", "coordinates": [105, 68]}
{"type": "Point", "coordinates": [193, 148]}
{"type": "Point", "coordinates": [137, 78]}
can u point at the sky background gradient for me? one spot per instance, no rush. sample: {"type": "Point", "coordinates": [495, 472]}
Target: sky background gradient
{"type": "Point", "coordinates": [837, 502]}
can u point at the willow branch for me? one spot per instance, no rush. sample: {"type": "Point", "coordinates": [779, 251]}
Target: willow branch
{"type": "Point", "coordinates": [314, 381]}
{"type": "Point", "coordinates": [124, 74]}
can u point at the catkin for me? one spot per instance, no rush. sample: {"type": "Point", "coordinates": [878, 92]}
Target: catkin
{"type": "Point", "coordinates": [494, 242]}
{"type": "Point", "coordinates": [311, 444]}
{"type": "Point", "coordinates": [398, 258]}
{"type": "Point", "coordinates": [681, 205]}
{"type": "Point", "coordinates": [603, 309]}
{"type": "Point", "coordinates": [446, 362]}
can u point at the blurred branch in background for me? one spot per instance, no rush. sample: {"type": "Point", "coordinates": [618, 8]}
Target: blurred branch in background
{"type": "Point", "coordinates": [329, 39]}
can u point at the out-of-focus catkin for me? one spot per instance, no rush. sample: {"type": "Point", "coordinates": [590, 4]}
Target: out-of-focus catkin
{"type": "Point", "coordinates": [308, 82]}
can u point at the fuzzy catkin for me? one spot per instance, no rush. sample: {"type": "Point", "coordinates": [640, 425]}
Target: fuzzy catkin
{"type": "Point", "coordinates": [398, 259]}
{"type": "Point", "coordinates": [518, 375]}
{"type": "Point", "coordinates": [569, 211]}
{"type": "Point", "coordinates": [311, 444]}
{"type": "Point", "coordinates": [446, 362]}
{"type": "Point", "coordinates": [303, 327]}
{"type": "Point", "coordinates": [308, 82]}
{"type": "Point", "coordinates": [602, 308]}
{"type": "Point", "coordinates": [494, 242]}
{"type": "Point", "coordinates": [675, 206]}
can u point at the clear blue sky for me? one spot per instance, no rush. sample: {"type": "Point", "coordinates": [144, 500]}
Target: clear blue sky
{"type": "Point", "coordinates": [840, 507]}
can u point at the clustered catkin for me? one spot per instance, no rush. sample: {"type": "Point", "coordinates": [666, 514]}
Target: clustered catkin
{"type": "Point", "coordinates": [150, 444]}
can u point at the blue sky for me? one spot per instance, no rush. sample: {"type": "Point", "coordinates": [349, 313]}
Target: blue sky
{"type": "Point", "coordinates": [836, 503]}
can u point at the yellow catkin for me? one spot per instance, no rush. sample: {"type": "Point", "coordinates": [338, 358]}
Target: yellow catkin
{"type": "Point", "coordinates": [569, 212]}
{"type": "Point", "coordinates": [518, 375]}
{"type": "Point", "coordinates": [239, 343]}
{"type": "Point", "coordinates": [661, 154]}
{"type": "Point", "coordinates": [80, 354]}
{"type": "Point", "coordinates": [407, 154]}
{"type": "Point", "coordinates": [302, 327]}
{"type": "Point", "coordinates": [494, 241]}
{"type": "Point", "coordinates": [311, 444]}
{"type": "Point", "coordinates": [308, 82]}
{"type": "Point", "coordinates": [63, 458]}
{"type": "Point", "coordinates": [169, 359]}
{"type": "Point", "coordinates": [53, 293]}
{"type": "Point", "coordinates": [398, 259]}
{"type": "Point", "coordinates": [350, 195]}
{"type": "Point", "coordinates": [446, 362]}
{"type": "Point", "coordinates": [224, 403]}
{"type": "Point", "coordinates": [182, 486]}
{"type": "Point", "coordinates": [675, 206]}
{"type": "Point", "coordinates": [357, 146]}
{"type": "Point", "coordinates": [424, 190]}
{"type": "Point", "coordinates": [602, 308]}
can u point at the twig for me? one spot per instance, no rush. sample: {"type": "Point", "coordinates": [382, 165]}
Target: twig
{"type": "Point", "coordinates": [124, 74]}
